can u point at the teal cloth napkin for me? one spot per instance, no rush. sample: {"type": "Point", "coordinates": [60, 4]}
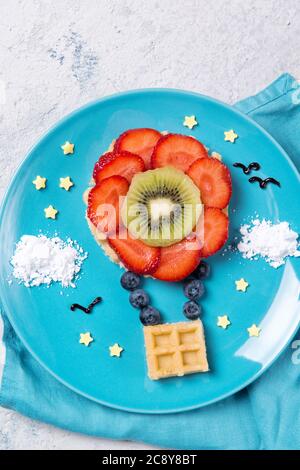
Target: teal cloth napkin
{"type": "Point", "coordinates": [266, 415]}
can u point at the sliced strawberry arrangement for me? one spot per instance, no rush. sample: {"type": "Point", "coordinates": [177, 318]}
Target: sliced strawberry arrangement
{"type": "Point", "coordinates": [124, 164]}
{"type": "Point", "coordinates": [177, 150]}
{"type": "Point", "coordinates": [215, 231]}
{"type": "Point", "coordinates": [103, 203]}
{"type": "Point", "coordinates": [213, 179]}
{"type": "Point", "coordinates": [138, 150]}
{"type": "Point", "coordinates": [178, 261]}
{"type": "Point", "coordinates": [135, 255]}
{"type": "Point", "coordinates": [138, 141]}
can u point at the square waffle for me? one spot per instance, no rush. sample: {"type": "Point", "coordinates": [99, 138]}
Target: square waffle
{"type": "Point", "coordinates": [175, 349]}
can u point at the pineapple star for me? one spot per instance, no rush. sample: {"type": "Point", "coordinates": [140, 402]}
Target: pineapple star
{"type": "Point", "coordinates": [67, 147]}
{"type": "Point", "coordinates": [115, 350]}
{"type": "Point", "coordinates": [254, 330]}
{"type": "Point", "coordinates": [66, 183]}
{"type": "Point", "coordinates": [39, 183]}
{"type": "Point", "coordinates": [223, 322]}
{"type": "Point", "coordinates": [230, 136]}
{"type": "Point", "coordinates": [190, 122]}
{"type": "Point", "coordinates": [241, 285]}
{"type": "Point", "coordinates": [85, 338]}
{"type": "Point", "coordinates": [50, 212]}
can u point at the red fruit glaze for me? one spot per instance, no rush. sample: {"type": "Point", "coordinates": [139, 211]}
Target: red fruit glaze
{"type": "Point", "coordinates": [177, 150]}
{"type": "Point", "coordinates": [122, 163]}
{"type": "Point", "coordinates": [136, 256]}
{"type": "Point", "coordinates": [214, 181]}
{"type": "Point", "coordinates": [215, 231]}
{"type": "Point", "coordinates": [139, 141]}
{"type": "Point", "coordinates": [178, 261]}
{"type": "Point", "coordinates": [107, 192]}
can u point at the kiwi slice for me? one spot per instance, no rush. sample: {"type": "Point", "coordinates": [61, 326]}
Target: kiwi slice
{"type": "Point", "coordinates": [162, 206]}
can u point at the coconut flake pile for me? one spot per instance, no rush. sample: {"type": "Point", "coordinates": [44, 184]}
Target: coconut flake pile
{"type": "Point", "coordinates": [273, 242]}
{"type": "Point", "coordinates": [41, 260]}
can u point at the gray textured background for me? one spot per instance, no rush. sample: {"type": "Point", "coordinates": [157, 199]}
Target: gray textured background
{"type": "Point", "coordinates": [56, 56]}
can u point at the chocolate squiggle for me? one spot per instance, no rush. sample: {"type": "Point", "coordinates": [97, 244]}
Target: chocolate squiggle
{"type": "Point", "coordinates": [263, 183]}
{"type": "Point", "coordinates": [86, 309]}
{"type": "Point", "coordinates": [247, 169]}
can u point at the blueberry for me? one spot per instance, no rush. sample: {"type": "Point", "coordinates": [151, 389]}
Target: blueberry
{"type": "Point", "coordinates": [194, 289]}
{"type": "Point", "coordinates": [130, 280]}
{"type": "Point", "coordinates": [150, 316]}
{"type": "Point", "coordinates": [203, 270]}
{"type": "Point", "coordinates": [191, 310]}
{"type": "Point", "coordinates": [139, 298]}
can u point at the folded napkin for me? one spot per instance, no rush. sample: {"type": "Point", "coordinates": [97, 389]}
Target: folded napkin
{"type": "Point", "coordinates": [263, 416]}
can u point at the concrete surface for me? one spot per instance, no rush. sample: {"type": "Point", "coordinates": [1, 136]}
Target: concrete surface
{"type": "Point", "coordinates": [56, 56]}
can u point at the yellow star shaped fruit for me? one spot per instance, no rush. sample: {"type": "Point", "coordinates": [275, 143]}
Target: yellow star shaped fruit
{"type": "Point", "coordinates": [85, 338]}
{"type": "Point", "coordinates": [254, 330]}
{"type": "Point", "coordinates": [67, 147]}
{"type": "Point", "coordinates": [50, 212]}
{"type": "Point", "coordinates": [230, 136]}
{"type": "Point", "coordinates": [223, 322]}
{"type": "Point", "coordinates": [39, 182]}
{"type": "Point", "coordinates": [190, 122]}
{"type": "Point", "coordinates": [241, 285]}
{"type": "Point", "coordinates": [66, 183]}
{"type": "Point", "coordinates": [115, 350]}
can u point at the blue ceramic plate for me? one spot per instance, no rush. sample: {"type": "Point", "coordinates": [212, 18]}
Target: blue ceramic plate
{"type": "Point", "coordinates": [42, 317]}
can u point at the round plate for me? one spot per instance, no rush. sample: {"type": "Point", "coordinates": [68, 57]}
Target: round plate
{"type": "Point", "coordinates": [42, 317]}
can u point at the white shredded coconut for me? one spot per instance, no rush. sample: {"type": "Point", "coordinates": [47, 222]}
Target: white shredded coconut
{"type": "Point", "coordinates": [41, 260]}
{"type": "Point", "coordinates": [273, 242]}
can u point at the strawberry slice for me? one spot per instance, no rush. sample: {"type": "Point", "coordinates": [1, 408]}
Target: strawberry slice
{"type": "Point", "coordinates": [214, 181]}
{"type": "Point", "coordinates": [139, 141]}
{"type": "Point", "coordinates": [136, 256]}
{"type": "Point", "coordinates": [177, 150]}
{"type": "Point", "coordinates": [125, 164]}
{"type": "Point", "coordinates": [103, 203]}
{"type": "Point", "coordinates": [215, 231]}
{"type": "Point", "coordinates": [178, 261]}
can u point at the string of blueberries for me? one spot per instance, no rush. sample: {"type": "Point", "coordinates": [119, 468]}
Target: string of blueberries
{"type": "Point", "coordinates": [149, 315]}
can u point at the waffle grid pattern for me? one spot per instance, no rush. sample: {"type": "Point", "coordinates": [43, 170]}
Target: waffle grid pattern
{"type": "Point", "coordinates": [175, 349]}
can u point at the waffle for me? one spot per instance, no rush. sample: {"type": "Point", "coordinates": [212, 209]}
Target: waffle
{"type": "Point", "coordinates": [175, 349]}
